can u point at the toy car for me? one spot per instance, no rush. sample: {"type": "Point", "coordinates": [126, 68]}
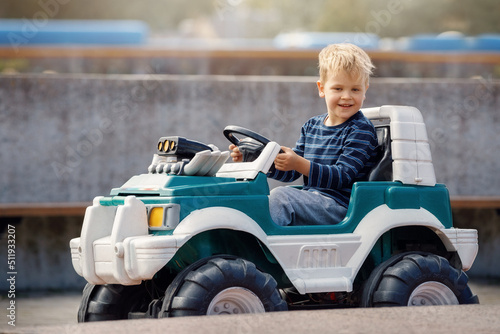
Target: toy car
{"type": "Point", "coordinates": [194, 236]}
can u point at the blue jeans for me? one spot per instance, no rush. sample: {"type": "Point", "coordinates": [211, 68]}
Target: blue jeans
{"type": "Point", "coordinates": [292, 206]}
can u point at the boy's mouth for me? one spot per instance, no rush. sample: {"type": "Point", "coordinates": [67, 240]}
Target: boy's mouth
{"type": "Point", "coordinates": [345, 105]}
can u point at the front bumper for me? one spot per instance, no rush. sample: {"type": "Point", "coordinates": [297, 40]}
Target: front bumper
{"type": "Point", "coordinates": [115, 247]}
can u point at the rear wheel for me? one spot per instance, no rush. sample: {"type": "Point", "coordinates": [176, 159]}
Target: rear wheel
{"type": "Point", "coordinates": [417, 279]}
{"type": "Point", "coordinates": [222, 286]}
{"type": "Point", "coordinates": [111, 302]}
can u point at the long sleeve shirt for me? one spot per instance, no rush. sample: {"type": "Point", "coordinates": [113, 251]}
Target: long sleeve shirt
{"type": "Point", "coordinates": [339, 155]}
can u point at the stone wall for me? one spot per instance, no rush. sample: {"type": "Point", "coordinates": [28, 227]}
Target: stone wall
{"type": "Point", "coordinates": [68, 138]}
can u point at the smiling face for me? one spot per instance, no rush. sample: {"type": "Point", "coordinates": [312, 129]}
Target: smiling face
{"type": "Point", "coordinates": [344, 96]}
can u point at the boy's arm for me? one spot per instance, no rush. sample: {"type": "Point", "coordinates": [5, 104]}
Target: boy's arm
{"type": "Point", "coordinates": [289, 160]}
{"type": "Point", "coordinates": [302, 165]}
{"type": "Point", "coordinates": [287, 174]}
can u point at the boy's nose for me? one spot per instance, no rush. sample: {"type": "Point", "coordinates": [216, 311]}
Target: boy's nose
{"type": "Point", "coordinates": [346, 95]}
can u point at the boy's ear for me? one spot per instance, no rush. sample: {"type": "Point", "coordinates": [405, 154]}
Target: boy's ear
{"type": "Point", "coordinates": [321, 89]}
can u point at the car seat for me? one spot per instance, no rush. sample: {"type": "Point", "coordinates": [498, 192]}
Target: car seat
{"type": "Point", "coordinates": [382, 171]}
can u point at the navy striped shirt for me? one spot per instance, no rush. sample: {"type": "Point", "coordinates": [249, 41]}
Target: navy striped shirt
{"type": "Point", "coordinates": [339, 155]}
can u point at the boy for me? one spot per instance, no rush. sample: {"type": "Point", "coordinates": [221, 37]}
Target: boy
{"type": "Point", "coordinates": [334, 149]}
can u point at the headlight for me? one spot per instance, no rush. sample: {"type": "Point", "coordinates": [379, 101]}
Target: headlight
{"type": "Point", "coordinates": [156, 217]}
{"type": "Point", "coordinates": [163, 217]}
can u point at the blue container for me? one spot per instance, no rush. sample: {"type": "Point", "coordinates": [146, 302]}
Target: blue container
{"type": "Point", "coordinates": [487, 42]}
{"type": "Point", "coordinates": [437, 43]}
{"type": "Point", "coordinates": [24, 32]}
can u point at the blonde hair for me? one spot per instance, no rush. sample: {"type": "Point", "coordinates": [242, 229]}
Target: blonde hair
{"type": "Point", "coordinates": [347, 57]}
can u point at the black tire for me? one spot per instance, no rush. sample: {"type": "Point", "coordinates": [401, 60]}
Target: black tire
{"type": "Point", "coordinates": [222, 286]}
{"type": "Point", "coordinates": [111, 302]}
{"type": "Point", "coordinates": [416, 280]}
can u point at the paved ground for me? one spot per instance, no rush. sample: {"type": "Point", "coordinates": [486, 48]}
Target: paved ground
{"type": "Point", "coordinates": [57, 314]}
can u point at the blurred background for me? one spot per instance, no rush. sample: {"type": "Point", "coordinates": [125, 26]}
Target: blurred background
{"type": "Point", "coordinates": [425, 38]}
{"type": "Point", "coordinates": [87, 87]}
{"type": "Point", "coordinates": [265, 19]}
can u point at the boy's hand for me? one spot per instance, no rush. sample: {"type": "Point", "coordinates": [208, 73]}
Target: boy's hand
{"type": "Point", "coordinates": [235, 153]}
{"type": "Point", "coordinates": [289, 160]}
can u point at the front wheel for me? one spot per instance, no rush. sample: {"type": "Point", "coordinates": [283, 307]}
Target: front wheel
{"type": "Point", "coordinates": [418, 280]}
{"type": "Point", "coordinates": [222, 286]}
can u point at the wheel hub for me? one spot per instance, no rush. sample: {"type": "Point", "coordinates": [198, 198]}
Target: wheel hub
{"type": "Point", "coordinates": [234, 301]}
{"type": "Point", "coordinates": [432, 293]}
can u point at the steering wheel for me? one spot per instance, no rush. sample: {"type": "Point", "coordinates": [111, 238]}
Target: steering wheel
{"type": "Point", "coordinates": [250, 146]}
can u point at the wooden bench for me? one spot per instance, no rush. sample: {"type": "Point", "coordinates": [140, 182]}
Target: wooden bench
{"type": "Point", "coordinates": [43, 209]}
{"type": "Point", "coordinates": [261, 53]}
{"type": "Point", "coordinates": [78, 208]}
{"type": "Point", "coordinates": [475, 202]}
